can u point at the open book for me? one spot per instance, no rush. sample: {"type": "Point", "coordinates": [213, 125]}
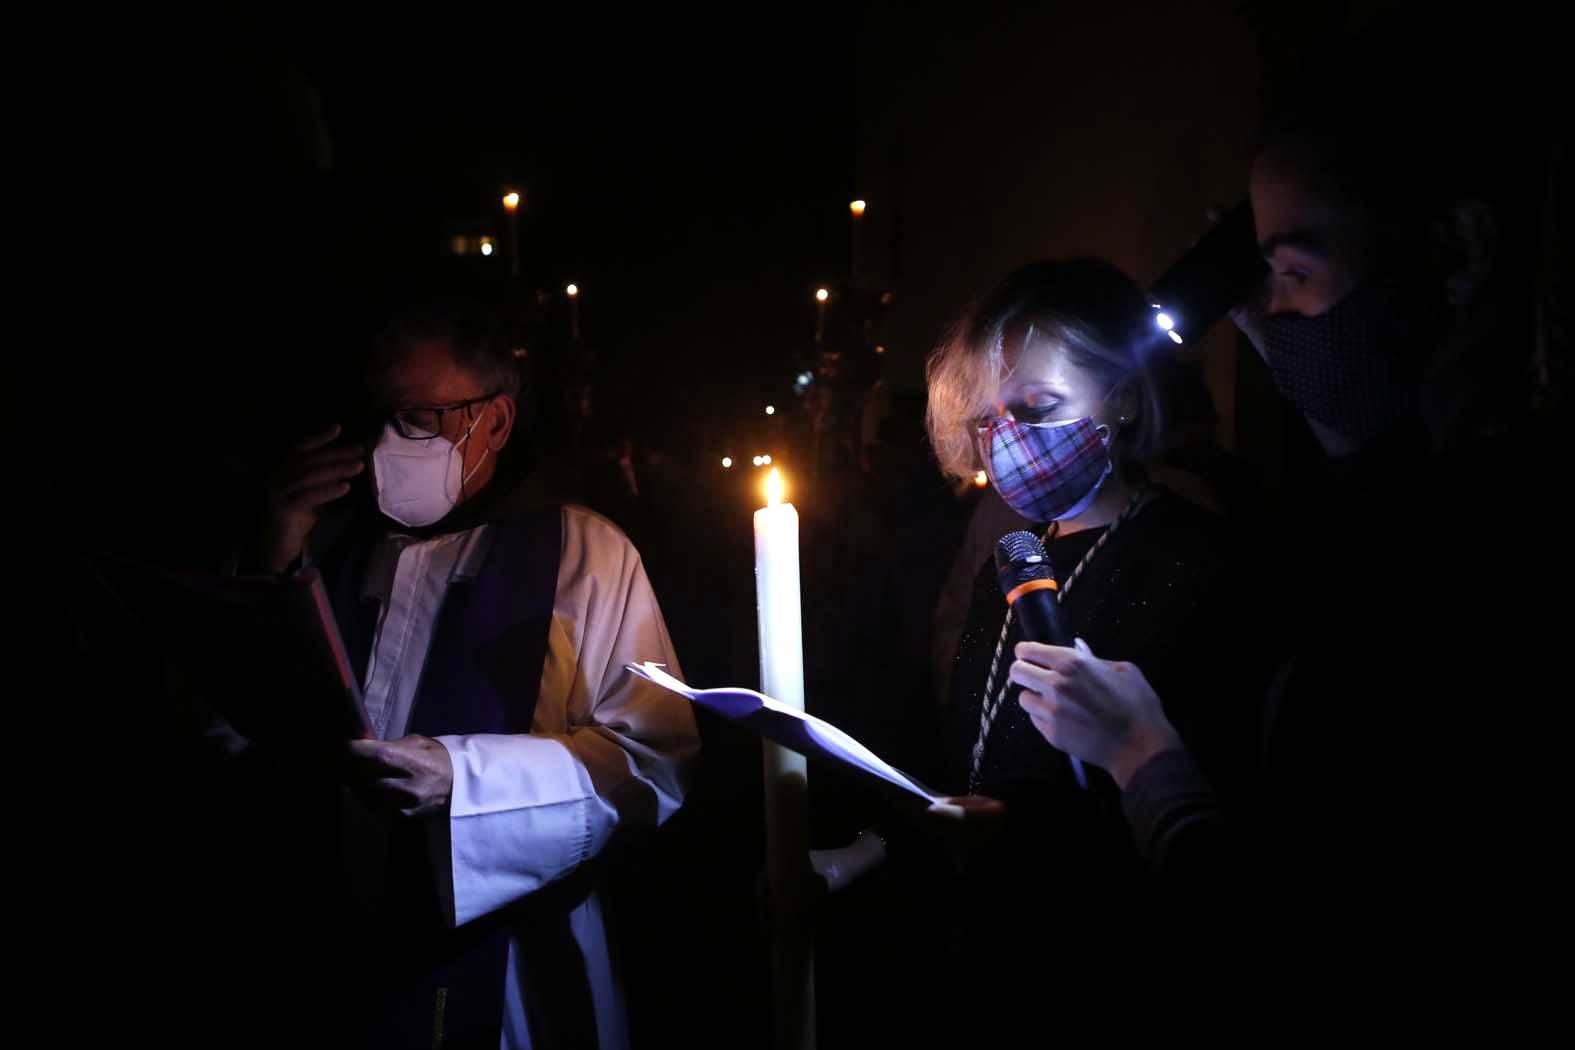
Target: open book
{"type": "Point", "coordinates": [794, 730]}
{"type": "Point", "coordinates": [263, 652]}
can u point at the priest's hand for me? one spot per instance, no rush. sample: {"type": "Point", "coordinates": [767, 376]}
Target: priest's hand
{"type": "Point", "coordinates": [413, 773]}
{"type": "Point", "coordinates": [315, 473]}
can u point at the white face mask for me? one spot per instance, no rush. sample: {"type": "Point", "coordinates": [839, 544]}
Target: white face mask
{"type": "Point", "coordinates": [420, 479]}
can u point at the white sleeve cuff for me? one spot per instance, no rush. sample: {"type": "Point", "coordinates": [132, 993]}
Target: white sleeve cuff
{"type": "Point", "coordinates": [523, 813]}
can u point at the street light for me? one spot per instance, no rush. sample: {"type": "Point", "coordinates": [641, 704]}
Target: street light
{"type": "Point", "coordinates": [821, 295]}
{"type": "Point", "coordinates": [511, 201]}
{"type": "Point", "coordinates": [486, 246]}
{"type": "Point", "coordinates": [857, 208]}
{"type": "Point", "coordinates": [573, 292]}
{"type": "Point", "coordinates": [727, 462]}
{"type": "Point", "coordinates": [771, 410]}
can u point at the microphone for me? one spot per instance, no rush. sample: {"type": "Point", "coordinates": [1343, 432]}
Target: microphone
{"type": "Point", "coordinates": [1028, 580]}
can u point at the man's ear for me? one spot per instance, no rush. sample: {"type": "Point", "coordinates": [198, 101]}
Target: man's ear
{"type": "Point", "coordinates": [502, 422]}
{"type": "Point", "coordinates": [1468, 243]}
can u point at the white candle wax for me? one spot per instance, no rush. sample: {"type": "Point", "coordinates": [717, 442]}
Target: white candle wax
{"type": "Point", "coordinates": [777, 601]}
{"type": "Point", "coordinates": [786, 776]}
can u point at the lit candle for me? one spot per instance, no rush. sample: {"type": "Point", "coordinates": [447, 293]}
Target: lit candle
{"type": "Point", "coordinates": [511, 204]}
{"type": "Point", "coordinates": [787, 812]}
{"type": "Point", "coordinates": [777, 597]}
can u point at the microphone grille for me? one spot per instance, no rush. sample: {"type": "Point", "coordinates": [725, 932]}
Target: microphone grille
{"type": "Point", "coordinates": [1019, 558]}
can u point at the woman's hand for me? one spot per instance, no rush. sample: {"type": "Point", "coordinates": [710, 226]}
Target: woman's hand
{"type": "Point", "coordinates": [840, 867]}
{"type": "Point", "coordinates": [965, 824]}
{"type": "Point", "coordinates": [1101, 711]}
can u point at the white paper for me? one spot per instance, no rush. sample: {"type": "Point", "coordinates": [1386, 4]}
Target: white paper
{"type": "Point", "coordinates": [776, 721]}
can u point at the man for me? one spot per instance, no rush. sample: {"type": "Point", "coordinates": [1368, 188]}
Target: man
{"type": "Point", "coordinates": [506, 732]}
{"type": "Point", "coordinates": [1387, 819]}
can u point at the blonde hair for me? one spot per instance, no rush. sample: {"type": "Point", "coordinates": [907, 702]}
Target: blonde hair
{"type": "Point", "coordinates": [1086, 307]}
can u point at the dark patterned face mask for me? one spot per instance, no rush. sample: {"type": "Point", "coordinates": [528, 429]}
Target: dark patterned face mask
{"type": "Point", "coordinates": [1353, 368]}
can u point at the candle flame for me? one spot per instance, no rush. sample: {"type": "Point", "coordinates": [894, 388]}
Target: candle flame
{"type": "Point", "coordinates": [774, 488]}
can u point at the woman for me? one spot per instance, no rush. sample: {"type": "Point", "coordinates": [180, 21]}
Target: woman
{"type": "Point", "coordinates": [1045, 388]}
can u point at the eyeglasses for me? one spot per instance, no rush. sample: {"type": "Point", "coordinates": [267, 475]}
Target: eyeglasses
{"type": "Point", "coordinates": [424, 422]}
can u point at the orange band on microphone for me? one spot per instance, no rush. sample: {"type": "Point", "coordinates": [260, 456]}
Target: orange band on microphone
{"type": "Point", "coordinates": [1023, 588]}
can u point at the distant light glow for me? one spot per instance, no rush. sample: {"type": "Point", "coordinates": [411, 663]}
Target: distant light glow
{"type": "Point", "coordinates": [1175, 337]}
{"type": "Point", "coordinates": [880, 349]}
{"type": "Point", "coordinates": [981, 479]}
{"type": "Point", "coordinates": [486, 247]}
{"type": "Point", "coordinates": [765, 461]}
{"type": "Point", "coordinates": [857, 208]}
{"type": "Point", "coordinates": [1165, 321]}
{"type": "Point", "coordinates": [727, 462]}
{"type": "Point", "coordinates": [771, 410]}
{"type": "Point", "coordinates": [757, 461]}
{"type": "Point", "coordinates": [573, 290]}
{"type": "Point", "coordinates": [821, 295]}
{"type": "Point", "coordinates": [511, 201]}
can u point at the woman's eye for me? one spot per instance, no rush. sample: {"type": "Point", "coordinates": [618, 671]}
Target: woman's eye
{"type": "Point", "coordinates": [1035, 413]}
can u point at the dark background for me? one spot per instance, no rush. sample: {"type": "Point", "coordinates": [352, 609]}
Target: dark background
{"type": "Point", "coordinates": [250, 204]}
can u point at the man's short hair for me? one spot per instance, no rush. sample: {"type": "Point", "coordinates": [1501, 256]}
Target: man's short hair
{"type": "Point", "coordinates": [474, 334]}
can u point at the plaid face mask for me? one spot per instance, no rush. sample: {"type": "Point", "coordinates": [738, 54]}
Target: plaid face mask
{"type": "Point", "coordinates": [1046, 471]}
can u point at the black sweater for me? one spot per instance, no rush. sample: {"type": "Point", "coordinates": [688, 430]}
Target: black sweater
{"type": "Point", "coordinates": [1164, 594]}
